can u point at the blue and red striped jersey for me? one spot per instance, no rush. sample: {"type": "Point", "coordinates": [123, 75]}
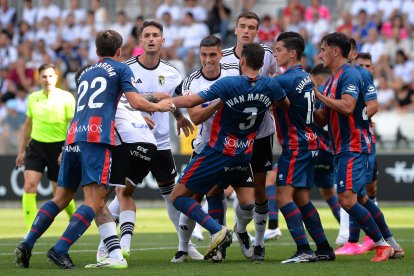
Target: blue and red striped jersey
{"type": "Point", "coordinates": [294, 127]}
{"type": "Point", "coordinates": [323, 134]}
{"type": "Point", "coordinates": [370, 93]}
{"type": "Point", "coordinates": [100, 87]}
{"type": "Point", "coordinates": [348, 133]}
{"type": "Point", "coordinates": [246, 100]}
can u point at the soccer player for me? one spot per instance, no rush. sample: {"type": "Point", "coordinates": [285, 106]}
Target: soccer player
{"type": "Point", "coordinates": [155, 75]}
{"type": "Point", "coordinates": [273, 231]}
{"type": "Point", "coordinates": [349, 227]}
{"type": "Point", "coordinates": [49, 112]}
{"type": "Point", "coordinates": [87, 155]}
{"type": "Point", "coordinates": [203, 116]}
{"type": "Point", "coordinates": [247, 25]}
{"type": "Point", "coordinates": [225, 159]}
{"type": "Point", "coordinates": [324, 177]}
{"type": "Point", "coordinates": [299, 143]}
{"type": "Point", "coordinates": [345, 110]}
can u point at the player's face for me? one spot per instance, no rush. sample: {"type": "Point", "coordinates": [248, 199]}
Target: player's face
{"type": "Point", "coordinates": [48, 79]}
{"type": "Point", "coordinates": [281, 54]}
{"type": "Point", "coordinates": [366, 63]}
{"type": "Point", "coordinates": [326, 54]}
{"type": "Point", "coordinates": [246, 30]}
{"type": "Point", "coordinates": [151, 39]}
{"type": "Point", "coordinates": [210, 58]}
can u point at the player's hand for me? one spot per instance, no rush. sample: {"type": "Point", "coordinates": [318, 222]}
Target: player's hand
{"type": "Point", "coordinates": [59, 160]}
{"type": "Point", "coordinates": [20, 159]}
{"type": "Point", "coordinates": [166, 105]}
{"type": "Point", "coordinates": [150, 122]}
{"type": "Point", "coordinates": [184, 124]}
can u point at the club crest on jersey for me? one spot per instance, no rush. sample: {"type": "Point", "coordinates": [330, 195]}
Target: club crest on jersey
{"type": "Point", "coordinates": [161, 80]}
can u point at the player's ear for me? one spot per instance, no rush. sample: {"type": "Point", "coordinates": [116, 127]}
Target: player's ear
{"type": "Point", "coordinates": [118, 53]}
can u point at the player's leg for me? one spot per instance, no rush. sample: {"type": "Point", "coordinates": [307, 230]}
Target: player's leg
{"type": "Point", "coordinates": [350, 172]}
{"type": "Point", "coordinates": [273, 230]}
{"type": "Point", "coordinates": [284, 198]}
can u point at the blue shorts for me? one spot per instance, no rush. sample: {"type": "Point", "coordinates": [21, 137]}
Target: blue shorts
{"type": "Point", "coordinates": [211, 167]}
{"type": "Point", "coordinates": [371, 170]}
{"type": "Point", "coordinates": [84, 163]}
{"type": "Point", "coordinates": [324, 170]}
{"type": "Point", "coordinates": [351, 172]}
{"type": "Point", "coordinates": [296, 168]}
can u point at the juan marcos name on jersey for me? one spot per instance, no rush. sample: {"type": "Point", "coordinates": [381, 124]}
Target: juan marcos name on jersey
{"type": "Point", "coordinates": [294, 127]}
{"type": "Point", "coordinates": [197, 82]}
{"type": "Point", "coordinates": [348, 133]}
{"type": "Point", "coordinates": [100, 87]}
{"type": "Point", "coordinates": [246, 101]}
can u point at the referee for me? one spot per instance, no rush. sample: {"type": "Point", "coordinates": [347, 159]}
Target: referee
{"type": "Point", "coordinates": [49, 112]}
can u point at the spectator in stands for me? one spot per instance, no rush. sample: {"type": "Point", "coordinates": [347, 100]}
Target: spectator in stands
{"type": "Point", "coordinates": [65, 54]}
{"type": "Point", "coordinates": [101, 15]}
{"type": "Point", "coordinates": [296, 22]}
{"type": "Point", "coordinates": [29, 13]}
{"type": "Point", "coordinates": [374, 45]}
{"type": "Point", "coordinates": [317, 27]}
{"type": "Point", "coordinates": [393, 45]}
{"type": "Point", "coordinates": [41, 49]}
{"type": "Point", "coordinates": [170, 7]}
{"type": "Point", "coordinates": [406, 9]}
{"type": "Point", "coordinates": [291, 7]}
{"type": "Point", "coordinates": [310, 55]}
{"type": "Point", "coordinates": [345, 23]}
{"type": "Point", "coordinates": [405, 98]}
{"type": "Point", "coordinates": [76, 10]}
{"type": "Point", "coordinates": [69, 31]}
{"type": "Point", "coordinates": [8, 53]}
{"type": "Point", "coordinates": [50, 10]}
{"type": "Point", "coordinates": [21, 76]}
{"type": "Point", "coordinates": [246, 5]}
{"type": "Point", "coordinates": [369, 6]}
{"type": "Point", "coordinates": [8, 15]}
{"type": "Point", "coordinates": [5, 84]}
{"type": "Point", "coordinates": [388, 8]}
{"type": "Point", "coordinates": [316, 6]}
{"type": "Point", "coordinates": [218, 19]}
{"type": "Point", "coordinates": [190, 35]}
{"type": "Point", "coordinates": [47, 32]}
{"type": "Point", "coordinates": [397, 22]}
{"type": "Point", "coordinates": [268, 31]}
{"type": "Point", "coordinates": [171, 33]}
{"type": "Point", "coordinates": [403, 67]}
{"type": "Point", "coordinates": [69, 83]}
{"type": "Point", "coordinates": [385, 95]}
{"type": "Point", "coordinates": [191, 6]}
{"type": "Point", "coordinates": [24, 33]}
{"type": "Point", "coordinates": [123, 26]}
{"type": "Point", "coordinates": [361, 28]}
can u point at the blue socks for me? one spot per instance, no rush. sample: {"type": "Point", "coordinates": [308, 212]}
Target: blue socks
{"type": "Point", "coordinates": [378, 218]}
{"type": "Point", "coordinates": [294, 223]}
{"type": "Point", "coordinates": [271, 196]}
{"type": "Point", "coordinates": [193, 209]}
{"type": "Point", "coordinates": [365, 220]}
{"type": "Point", "coordinates": [78, 224]}
{"type": "Point", "coordinates": [335, 206]}
{"type": "Point", "coordinates": [43, 220]}
{"type": "Point", "coordinates": [354, 230]}
{"type": "Point", "coordinates": [310, 217]}
{"type": "Point", "coordinates": [216, 208]}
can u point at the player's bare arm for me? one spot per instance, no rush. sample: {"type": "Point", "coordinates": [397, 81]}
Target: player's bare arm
{"type": "Point", "coordinates": [182, 123]}
{"type": "Point", "coordinates": [345, 105]}
{"type": "Point", "coordinates": [26, 131]}
{"type": "Point", "coordinates": [200, 114]}
{"type": "Point", "coordinates": [140, 103]}
{"type": "Point", "coordinates": [156, 97]}
{"type": "Point", "coordinates": [372, 107]}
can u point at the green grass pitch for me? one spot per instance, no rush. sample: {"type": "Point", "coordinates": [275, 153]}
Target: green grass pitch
{"type": "Point", "coordinates": [155, 243]}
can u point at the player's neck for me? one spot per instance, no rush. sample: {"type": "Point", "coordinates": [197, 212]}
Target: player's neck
{"type": "Point", "coordinates": [238, 49]}
{"type": "Point", "coordinates": [149, 60]}
{"type": "Point", "coordinates": [249, 72]}
{"type": "Point", "coordinates": [211, 74]}
{"type": "Point", "coordinates": [292, 63]}
{"type": "Point", "coordinates": [337, 65]}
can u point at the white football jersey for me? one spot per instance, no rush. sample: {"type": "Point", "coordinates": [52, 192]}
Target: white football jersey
{"type": "Point", "coordinates": [130, 126]}
{"type": "Point", "coordinates": [197, 82]}
{"type": "Point", "coordinates": [162, 78]}
{"type": "Point", "coordinates": [269, 68]}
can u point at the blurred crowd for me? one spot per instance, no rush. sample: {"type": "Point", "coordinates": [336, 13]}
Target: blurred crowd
{"type": "Point", "coordinates": [63, 32]}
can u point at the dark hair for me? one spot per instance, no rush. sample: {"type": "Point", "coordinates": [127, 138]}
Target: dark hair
{"type": "Point", "coordinates": [402, 53]}
{"type": "Point", "coordinates": [293, 41]}
{"type": "Point", "coordinates": [249, 15]}
{"type": "Point", "coordinates": [153, 24]}
{"type": "Point", "coordinates": [210, 41]}
{"type": "Point", "coordinates": [319, 69]}
{"type": "Point", "coordinates": [107, 43]}
{"type": "Point", "coordinates": [79, 73]}
{"type": "Point", "coordinates": [365, 56]}
{"type": "Point", "coordinates": [46, 66]}
{"type": "Point", "coordinates": [254, 54]}
{"type": "Point", "coordinates": [353, 44]}
{"type": "Point", "coordinates": [339, 40]}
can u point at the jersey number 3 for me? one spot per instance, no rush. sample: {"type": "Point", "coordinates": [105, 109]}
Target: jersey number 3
{"type": "Point", "coordinates": [249, 120]}
{"type": "Point", "coordinates": [99, 85]}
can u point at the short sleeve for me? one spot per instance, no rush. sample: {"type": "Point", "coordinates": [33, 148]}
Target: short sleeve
{"type": "Point", "coordinates": [29, 107]}
{"type": "Point", "coordinates": [279, 92]}
{"type": "Point", "coordinates": [215, 91]}
{"type": "Point", "coordinates": [127, 77]}
{"type": "Point", "coordinates": [351, 84]}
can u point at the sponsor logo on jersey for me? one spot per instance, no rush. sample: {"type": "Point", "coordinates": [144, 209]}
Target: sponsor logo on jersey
{"type": "Point", "coordinates": [92, 128]}
{"type": "Point", "coordinates": [138, 81]}
{"type": "Point", "coordinates": [237, 168]}
{"type": "Point", "coordinates": [268, 163]}
{"type": "Point", "coordinates": [311, 136]}
{"type": "Point", "coordinates": [161, 80]}
{"type": "Point", "coordinates": [72, 148]}
{"type": "Point", "coordinates": [239, 144]}
{"type": "Point", "coordinates": [249, 179]}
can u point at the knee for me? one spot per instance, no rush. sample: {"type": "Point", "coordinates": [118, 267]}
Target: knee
{"type": "Point", "coordinates": [346, 202]}
{"type": "Point", "coordinates": [30, 186]}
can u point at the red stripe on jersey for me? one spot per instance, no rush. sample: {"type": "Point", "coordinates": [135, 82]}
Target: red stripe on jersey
{"type": "Point", "coordinates": [292, 167]}
{"type": "Point", "coordinates": [336, 130]}
{"type": "Point", "coordinates": [322, 145]}
{"type": "Point", "coordinates": [191, 170]}
{"type": "Point", "coordinates": [348, 181]}
{"type": "Point", "coordinates": [250, 137]}
{"type": "Point", "coordinates": [230, 145]}
{"type": "Point", "coordinates": [105, 170]}
{"type": "Point", "coordinates": [112, 134]}
{"type": "Point", "coordinates": [215, 127]}
{"type": "Point", "coordinates": [292, 133]}
{"type": "Point", "coordinates": [366, 138]}
{"type": "Point", "coordinates": [70, 139]}
{"type": "Point", "coordinates": [94, 130]}
{"type": "Point", "coordinates": [312, 141]}
{"type": "Point", "coordinates": [355, 135]}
